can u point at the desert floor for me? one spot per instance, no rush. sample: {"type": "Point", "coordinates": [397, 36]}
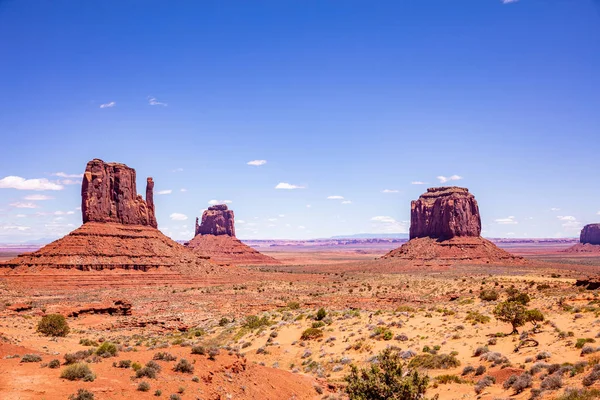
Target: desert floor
{"type": "Point", "coordinates": [432, 314]}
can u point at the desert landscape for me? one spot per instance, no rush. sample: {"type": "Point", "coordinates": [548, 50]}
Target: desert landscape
{"type": "Point", "coordinates": [116, 309]}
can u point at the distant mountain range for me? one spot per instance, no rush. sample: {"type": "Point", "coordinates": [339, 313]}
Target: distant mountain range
{"type": "Point", "coordinates": [373, 236]}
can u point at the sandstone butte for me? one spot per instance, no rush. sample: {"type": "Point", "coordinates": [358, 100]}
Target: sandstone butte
{"type": "Point", "coordinates": [445, 227]}
{"type": "Point", "coordinates": [589, 240]}
{"type": "Point", "coordinates": [215, 238]}
{"type": "Point", "coordinates": [119, 231]}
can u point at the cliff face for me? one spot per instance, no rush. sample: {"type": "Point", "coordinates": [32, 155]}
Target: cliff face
{"type": "Point", "coordinates": [590, 234]}
{"type": "Point", "coordinates": [443, 213]}
{"type": "Point", "coordinates": [109, 194]}
{"type": "Point", "coordinates": [217, 220]}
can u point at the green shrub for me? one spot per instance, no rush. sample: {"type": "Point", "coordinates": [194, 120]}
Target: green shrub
{"type": "Point", "coordinates": [579, 394]}
{"type": "Point", "coordinates": [434, 361]}
{"type": "Point", "coordinates": [583, 341]}
{"type": "Point", "coordinates": [146, 372]}
{"type": "Point", "coordinates": [512, 312]}
{"type": "Point", "coordinates": [318, 324]}
{"type": "Point", "coordinates": [184, 366]}
{"type": "Point", "coordinates": [476, 317]}
{"type": "Point", "coordinates": [199, 350]}
{"type": "Point", "coordinates": [53, 325]}
{"type": "Point", "coordinates": [124, 364]}
{"type": "Point", "coordinates": [521, 298]}
{"type": "Point", "coordinates": [27, 358]}
{"type": "Point", "coordinates": [88, 342]}
{"type": "Point", "coordinates": [82, 394]}
{"type": "Point", "coordinates": [72, 358]}
{"type": "Point", "coordinates": [488, 295]}
{"type": "Point", "coordinates": [224, 321]}
{"type": "Point", "coordinates": [78, 371]}
{"type": "Point", "coordinates": [311, 333]}
{"type": "Point", "coordinates": [143, 386]}
{"type": "Point", "coordinates": [445, 379]}
{"type": "Point", "coordinates": [107, 349]}
{"type": "Point", "coordinates": [254, 322]}
{"type": "Point", "coordinates": [385, 380]}
{"type": "Point", "coordinates": [321, 314]}
{"type": "Point", "coordinates": [54, 364]}
{"type": "Point", "coordinates": [293, 305]}
{"type": "Point", "coordinates": [165, 356]}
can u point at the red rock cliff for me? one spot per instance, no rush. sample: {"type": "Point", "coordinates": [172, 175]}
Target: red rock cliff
{"type": "Point", "coordinates": [109, 194]}
{"type": "Point", "coordinates": [590, 234]}
{"type": "Point", "coordinates": [444, 213]}
{"type": "Point", "coordinates": [217, 220]}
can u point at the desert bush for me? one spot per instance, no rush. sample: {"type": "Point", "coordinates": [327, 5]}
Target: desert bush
{"type": "Point", "coordinates": [445, 379]}
{"type": "Point", "coordinates": [583, 341]}
{"type": "Point", "coordinates": [467, 370]}
{"type": "Point", "coordinates": [224, 321]}
{"type": "Point", "coordinates": [476, 317]}
{"type": "Point", "coordinates": [521, 298]}
{"type": "Point", "coordinates": [78, 371]}
{"type": "Point", "coordinates": [511, 312]}
{"type": "Point", "coordinates": [386, 380]}
{"type": "Point", "coordinates": [587, 350]}
{"type": "Point", "coordinates": [592, 377]}
{"type": "Point", "coordinates": [311, 333]}
{"type": "Point", "coordinates": [321, 314]}
{"type": "Point", "coordinates": [146, 372]}
{"type": "Point", "coordinates": [488, 295]}
{"type": "Point", "coordinates": [88, 342]}
{"type": "Point", "coordinates": [543, 355]}
{"type": "Point", "coordinates": [382, 332]}
{"type": "Point", "coordinates": [318, 324]}
{"type": "Point", "coordinates": [434, 361]}
{"type": "Point", "coordinates": [107, 349]}
{"type": "Point", "coordinates": [53, 325]}
{"type": "Point", "coordinates": [174, 397]}
{"type": "Point", "coordinates": [521, 383]}
{"type": "Point", "coordinates": [254, 322]}
{"type": "Point", "coordinates": [552, 382]}
{"type": "Point", "coordinates": [165, 356]}
{"type": "Point", "coordinates": [72, 358]}
{"type": "Point", "coordinates": [293, 305]}
{"type": "Point", "coordinates": [483, 383]}
{"type": "Point", "coordinates": [27, 358]}
{"type": "Point", "coordinates": [143, 386]}
{"type": "Point", "coordinates": [54, 364]}
{"type": "Point", "coordinates": [184, 366]}
{"type": "Point", "coordinates": [480, 351]}
{"type": "Point", "coordinates": [200, 350]}
{"type": "Point", "coordinates": [579, 394]}
{"type": "Point", "coordinates": [154, 365]}
{"type": "Point", "coordinates": [124, 364]}
{"type": "Point", "coordinates": [82, 394]}
{"type": "Point", "coordinates": [480, 370]}
{"type": "Point", "coordinates": [213, 352]}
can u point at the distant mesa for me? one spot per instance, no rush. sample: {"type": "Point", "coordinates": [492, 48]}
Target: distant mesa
{"type": "Point", "coordinates": [215, 238]}
{"type": "Point", "coordinates": [589, 240]}
{"type": "Point", "coordinates": [119, 231]}
{"type": "Point", "coordinates": [445, 227]}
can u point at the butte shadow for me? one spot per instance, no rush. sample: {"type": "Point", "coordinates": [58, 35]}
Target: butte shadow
{"type": "Point", "coordinates": [445, 228]}
{"type": "Point", "coordinates": [215, 238]}
{"type": "Point", "coordinates": [119, 231]}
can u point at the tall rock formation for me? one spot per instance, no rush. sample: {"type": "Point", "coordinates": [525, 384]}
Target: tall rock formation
{"type": "Point", "coordinates": [119, 231]}
{"type": "Point", "coordinates": [445, 212]}
{"type": "Point", "coordinates": [215, 238]}
{"type": "Point", "coordinates": [109, 194]}
{"type": "Point", "coordinates": [445, 227]}
{"type": "Point", "coordinates": [217, 220]}
{"type": "Point", "coordinates": [590, 234]}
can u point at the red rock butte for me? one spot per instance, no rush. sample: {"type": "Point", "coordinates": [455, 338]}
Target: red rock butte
{"type": "Point", "coordinates": [445, 226]}
{"type": "Point", "coordinates": [589, 240]}
{"type": "Point", "coordinates": [215, 238]}
{"type": "Point", "coordinates": [119, 231]}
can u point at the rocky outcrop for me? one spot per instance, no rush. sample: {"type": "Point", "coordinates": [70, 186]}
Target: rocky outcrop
{"type": "Point", "coordinates": [109, 194]}
{"type": "Point", "coordinates": [443, 213]}
{"type": "Point", "coordinates": [590, 234]}
{"type": "Point", "coordinates": [217, 220]}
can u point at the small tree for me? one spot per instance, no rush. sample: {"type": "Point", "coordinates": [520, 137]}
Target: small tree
{"type": "Point", "coordinates": [512, 312]}
{"type": "Point", "coordinates": [321, 314]}
{"type": "Point", "coordinates": [53, 325]}
{"type": "Point", "coordinates": [534, 316]}
{"type": "Point", "coordinates": [386, 380]}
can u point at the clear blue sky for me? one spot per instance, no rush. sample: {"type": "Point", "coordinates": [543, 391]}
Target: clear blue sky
{"type": "Point", "coordinates": [343, 98]}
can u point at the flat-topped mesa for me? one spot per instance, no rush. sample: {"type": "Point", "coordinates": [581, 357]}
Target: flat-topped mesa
{"type": "Point", "coordinates": [217, 220]}
{"type": "Point", "coordinates": [445, 212]}
{"type": "Point", "coordinates": [590, 234]}
{"type": "Point", "coordinates": [109, 194]}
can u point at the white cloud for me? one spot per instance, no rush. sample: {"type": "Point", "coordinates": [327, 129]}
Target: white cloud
{"type": "Point", "coordinates": [418, 183]}
{"type": "Point", "coordinates": [308, 206]}
{"type": "Point", "coordinates": [301, 227]}
{"type": "Point", "coordinates": [166, 191]}
{"type": "Point", "coordinates": [215, 202]}
{"type": "Point", "coordinates": [509, 1]}
{"type": "Point", "coordinates": [444, 179]}
{"type": "Point", "coordinates": [14, 227]}
{"type": "Point", "coordinates": [598, 213]}
{"type": "Point", "coordinates": [69, 182]}
{"type": "Point", "coordinates": [177, 170]}
{"type": "Point", "coordinates": [335, 197]}
{"type": "Point", "coordinates": [257, 163]}
{"type": "Point", "coordinates": [38, 197]}
{"type": "Point", "coordinates": [183, 190]}
{"type": "Point", "coordinates": [389, 191]}
{"type": "Point", "coordinates": [281, 215]}
{"type": "Point", "coordinates": [178, 217]}
{"type": "Point", "coordinates": [506, 221]}
{"type": "Point", "coordinates": [346, 202]}
{"type": "Point", "coordinates": [19, 204]}
{"type": "Point", "coordinates": [16, 182]}
{"type": "Point", "coordinates": [65, 175]}
{"type": "Point", "coordinates": [153, 102]}
{"type": "Point", "coordinates": [20, 215]}
{"type": "Point", "coordinates": [108, 105]}
{"type": "Point", "coordinates": [272, 219]}
{"type": "Point", "coordinates": [240, 221]}
{"type": "Point", "coordinates": [566, 218]}
{"type": "Point", "coordinates": [555, 209]}
{"type": "Point", "coordinates": [383, 218]}
{"type": "Point", "coordinates": [285, 185]}
{"type": "Point", "coordinates": [63, 212]}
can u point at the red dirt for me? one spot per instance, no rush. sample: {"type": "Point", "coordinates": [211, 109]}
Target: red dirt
{"type": "Point", "coordinates": [225, 249]}
{"type": "Point", "coordinates": [584, 248]}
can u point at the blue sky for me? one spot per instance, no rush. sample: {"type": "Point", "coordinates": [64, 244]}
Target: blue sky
{"type": "Point", "coordinates": [345, 99]}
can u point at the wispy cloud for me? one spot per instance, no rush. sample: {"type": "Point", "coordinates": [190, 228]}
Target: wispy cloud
{"type": "Point", "coordinates": [570, 223]}
{"type": "Point", "coordinates": [444, 179]}
{"type": "Point", "coordinates": [383, 218]}
{"type": "Point", "coordinates": [566, 218]}
{"type": "Point", "coordinates": [63, 212]}
{"type": "Point", "coordinates": [509, 1]}
{"type": "Point", "coordinates": [154, 102]}
{"type": "Point", "coordinates": [387, 224]}
{"type": "Point", "coordinates": [69, 182]}
{"type": "Point", "coordinates": [257, 163]}
{"type": "Point", "coordinates": [178, 217]}
{"type": "Point", "coordinates": [240, 221]}
{"type": "Point", "coordinates": [506, 221]}
{"type": "Point", "coordinates": [389, 191]}
{"type": "Point", "coordinates": [108, 105]}
{"type": "Point", "coordinates": [287, 186]}
{"type": "Point", "coordinates": [16, 182]}
{"type": "Point", "coordinates": [166, 191]}
{"type": "Point", "coordinates": [215, 202]}
{"type": "Point", "coordinates": [335, 197]}
{"type": "Point", "coordinates": [308, 206]}
{"type": "Point", "coordinates": [20, 204]}
{"type": "Point", "coordinates": [598, 213]}
{"type": "Point", "coordinates": [418, 183]}
{"type": "Point", "coordinates": [177, 170]}
{"type": "Point", "coordinates": [183, 190]}
{"type": "Point", "coordinates": [38, 197]}
{"type": "Point", "coordinates": [65, 175]}
{"type": "Point", "coordinates": [347, 202]}
{"type": "Point", "coordinates": [555, 209]}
